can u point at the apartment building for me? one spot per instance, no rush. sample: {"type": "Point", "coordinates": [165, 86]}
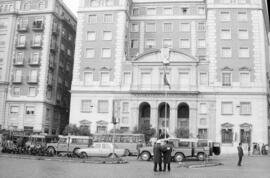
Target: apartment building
{"type": "Point", "coordinates": [217, 66]}
{"type": "Point", "coordinates": [39, 38]}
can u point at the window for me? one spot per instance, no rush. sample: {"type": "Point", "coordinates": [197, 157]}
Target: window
{"type": "Point", "coordinates": [151, 11]}
{"type": "Point", "coordinates": [135, 27]}
{"type": "Point", "coordinates": [245, 108]}
{"type": "Point", "coordinates": [225, 16]}
{"type": "Point", "coordinates": [203, 121]}
{"type": "Point", "coordinates": [183, 79]}
{"type": "Point", "coordinates": [32, 91]}
{"type": "Point", "coordinates": [94, 3]}
{"type": "Point", "coordinates": [1, 70]}
{"type": "Point", "coordinates": [134, 44]}
{"type": "Point", "coordinates": [125, 107]}
{"type": "Point", "coordinates": [201, 10]}
{"type": "Point", "coordinates": [226, 79]}
{"type": "Point", "coordinates": [226, 52]}
{"type": "Point", "coordinates": [105, 78]}
{"type": "Point", "coordinates": [107, 35]}
{"type": "Point", "coordinates": [184, 43]}
{"type": "Point", "coordinates": [103, 106]}
{"type": "Point", "coordinates": [146, 79]}
{"type": "Point", "coordinates": [185, 10]}
{"type": "Point", "coordinates": [108, 18]}
{"type": "Point", "coordinates": [23, 23]}
{"type": "Point", "coordinates": [242, 16]}
{"type": "Point", "coordinates": [243, 34]}
{"type": "Point", "coordinates": [35, 58]}
{"type": "Point", "coordinates": [225, 34]}
{"type": "Point", "coordinates": [88, 78]}
{"type": "Point", "coordinates": [167, 43]}
{"type": "Point", "coordinates": [244, 52]}
{"type": "Point", "coordinates": [242, 1]}
{"type": "Point", "coordinates": [106, 52]}
{"type": "Point", "coordinates": [109, 2]}
{"type": "Point", "coordinates": [127, 79]}
{"type": "Point", "coordinates": [203, 133]}
{"type": "Point", "coordinates": [30, 110]}
{"type": "Point", "coordinates": [20, 58]}
{"type": "Point", "coordinates": [92, 19]}
{"type": "Point", "coordinates": [201, 43]}
{"type": "Point", "coordinates": [17, 76]}
{"type": "Point", "coordinates": [184, 27]}
{"type": "Point", "coordinates": [226, 108]}
{"type": "Point", "coordinates": [203, 78]}
{"type": "Point", "coordinates": [225, 1]}
{"type": "Point", "coordinates": [203, 108]}
{"type": "Point", "coordinates": [91, 36]}
{"type": "Point", "coordinates": [227, 135]}
{"type": "Point", "coordinates": [135, 11]}
{"type": "Point", "coordinates": [26, 6]}
{"type": "Point", "coordinates": [90, 53]}
{"type": "Point", "coordinates": [124, 120]}
{"type": "Point", "coordinates": [21, 40]}
{"type": "Point", "coordinates": [201, 27]}
{"type": "Point", "coordinates": [167, 27]}
{"type": "Point", "coordinates": [14, 110]}
{"type": "Point", "coordinates": [86, 106]}
{"type": "Point", "coordinates": [150, 27]}
{"type": "Point", "coordinates": [41, 5]}
{"type": "Point", "coordinates": [168, 11]}
{"type": "Point", "coordinates": [150, 43]}
{"type": "Point", "coordinates": [33, 76]}
{"type": "Point", "coordinates": [16, 91]}
{"type": "Point", "coordinates": [244, 78]}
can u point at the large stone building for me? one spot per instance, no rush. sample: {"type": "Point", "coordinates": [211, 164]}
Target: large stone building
{"type": "Point", "coordinates": [218, 68]}
{"type": "Point", "coordinates": [37, 43]}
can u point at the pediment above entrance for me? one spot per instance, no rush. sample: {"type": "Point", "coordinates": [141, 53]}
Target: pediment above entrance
{"type": "Point", "coordinates": [157, 56]}
{"type": "Point", "coordinates": [227, 125]}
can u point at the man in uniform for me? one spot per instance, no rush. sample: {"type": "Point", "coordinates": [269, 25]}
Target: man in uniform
{"type": "Point", "coordinates": [157, 156]}
{"type": "Point", "coordinates": [240, 154]}
{"type": "Point", "coordinates": [167, 151]}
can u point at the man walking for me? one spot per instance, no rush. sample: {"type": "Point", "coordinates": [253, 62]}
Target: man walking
{"type": "Point", "coordinates": [138, 147]}
{"type": "Point", "coordinates": [157, 156]}
{"type": "Point", "coordinates": [167, 151]}
{"type": "Point", "coordinates": [240, 154]}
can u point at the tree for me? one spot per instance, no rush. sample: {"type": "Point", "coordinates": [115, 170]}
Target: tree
{"type": "Point", "coordinates": [146, 130]}
{"type": "Point", "coordinates": [182, 133]}
{"type": "Point", "coordinates": [72, 129]}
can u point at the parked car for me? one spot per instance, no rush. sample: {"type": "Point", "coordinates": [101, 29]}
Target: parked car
{"type": "Point", "coordinates": [183, 148]}
{"type": "Point", "coordinates": [69, 144]}
{"type": "Point", "coordinates": [101, 149]}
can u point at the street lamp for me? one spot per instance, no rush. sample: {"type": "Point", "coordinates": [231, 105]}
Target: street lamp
{"type": "Point", "coordinates": [115, 120]}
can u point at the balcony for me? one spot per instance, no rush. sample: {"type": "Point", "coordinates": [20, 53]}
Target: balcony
{"type": "Point", "coordinates": [18, 62]}
{"type": "Point", "coordinates": [36, 44]}
{"type": "Point", "coordinates": [17, 79]}
{"type": "Point", "coordinates": [20, 45]}
{"type": "Point", "coordinates": [32, 80]}
{"type": "Point", "coordinates": [34, 61]}
{"type": "Point", "coordinates": [38, 26]}
{"type": "Point", "coordinates": [22, 27]}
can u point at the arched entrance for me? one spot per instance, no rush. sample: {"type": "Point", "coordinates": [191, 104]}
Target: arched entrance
{"type": "Point", "coordinates": [144, 115]}
{"type": "Point", "coordinates": [161, 115]}
{"type": "Point", "coordinates": [183, 121]}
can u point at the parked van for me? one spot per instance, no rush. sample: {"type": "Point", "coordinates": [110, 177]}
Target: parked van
{"type": "Point", "coordinates": [69, 144]}
{"type": "Point", "coordinates": [183, 148]}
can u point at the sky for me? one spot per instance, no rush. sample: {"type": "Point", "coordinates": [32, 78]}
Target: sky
{"type": "Point", "coordinates": [73, 5]}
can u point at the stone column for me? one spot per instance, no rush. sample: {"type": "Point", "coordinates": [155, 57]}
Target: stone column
{"type": "Point", "coordinates": [135, 117]}
{"type": "Point", "coordinates": [173, 120]}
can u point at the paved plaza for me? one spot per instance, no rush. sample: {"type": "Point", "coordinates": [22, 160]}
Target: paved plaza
{"type": "Point", "coordinates": [255, 166]}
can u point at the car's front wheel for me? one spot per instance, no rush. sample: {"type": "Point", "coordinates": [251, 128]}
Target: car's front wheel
{"type": "Point", "coordinates": [145, 156]}
{"type": "Point", "coordinates": [179, 157]}
{"type": "Point", "coordinates": [84, 155]}
{"type": "Point", "coordinates": [201, 156]}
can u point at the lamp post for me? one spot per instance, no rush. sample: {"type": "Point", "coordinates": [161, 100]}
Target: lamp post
{"type": "Point", "coordinates": [115, 120]}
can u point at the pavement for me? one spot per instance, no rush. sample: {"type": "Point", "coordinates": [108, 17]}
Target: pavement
{"type": "Point", "coordinates": [253, 166]}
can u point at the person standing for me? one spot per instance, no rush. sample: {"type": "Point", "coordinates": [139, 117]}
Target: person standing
{"type": "Point", "coordinates": [248, 149]}
{"type": "Point", "coordinates": [138, 147]}
{"type": "Point", "coordinates": [157, 156]}
{"type": "Point", "coordinates": [240, 154]}
{"type": "Point", "coordinates": [167, 151]}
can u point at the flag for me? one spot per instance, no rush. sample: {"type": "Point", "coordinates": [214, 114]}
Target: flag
{"type": "Point", "coordinates": [166, 82]}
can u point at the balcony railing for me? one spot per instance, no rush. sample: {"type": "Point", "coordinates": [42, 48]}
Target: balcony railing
{"type": "Point", "coordinates": [18, 62]}
{"type": "Point", "coordinates": [162, 88]}
{"type": "Point", "coordinates": [22, 28]}
{"type": "Point", "coordinates": [36, 44]}
{"type": "Point", "coordinates": [17, 80]}
{"type": "Point", "coordinates": [34, 62]}
{"type": "Point", "coordinates": [38, 26]}
{"type": "Point", "coordinates": [31, 80]}
{"type": "Point", "coordinates": [20, 45]}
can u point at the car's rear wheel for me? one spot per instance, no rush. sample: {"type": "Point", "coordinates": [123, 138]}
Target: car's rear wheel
{"type": "Point", "coordinates": [75, 151]}
{"type": "Point", "coordinates": [145, 156]}
{"type": "Point", "coordinates": [179, 157]}
{"type": "Point", "coordinates": [127, 152]}
{"type": "Point", "coordinates": [201, 156]}
{"type": "Point", "coordinates": [84, 155]}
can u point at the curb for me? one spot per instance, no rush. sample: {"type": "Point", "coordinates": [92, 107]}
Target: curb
{"type": "Point", "coordinates": [119, 161]}
{"type": "Point", "coordinates": [200, 165]}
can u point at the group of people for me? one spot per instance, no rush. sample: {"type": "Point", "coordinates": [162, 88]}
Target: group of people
{"type": "Point", "coordinates": [162, 153]}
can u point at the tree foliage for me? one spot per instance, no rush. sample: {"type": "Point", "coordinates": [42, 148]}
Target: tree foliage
{"type": "Point", "coordinates": [146, 130]}
{"type": "Point", "coordinates": [182, 133]}
{"type": "Point", "coordinates": [72, 129]}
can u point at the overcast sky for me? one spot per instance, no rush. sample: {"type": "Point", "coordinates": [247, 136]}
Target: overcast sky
{"type": "Point", "coordinates": [73, 5]}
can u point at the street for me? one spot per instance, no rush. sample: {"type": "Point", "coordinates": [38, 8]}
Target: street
{"type": "Point", "coordinates": [255, 166]}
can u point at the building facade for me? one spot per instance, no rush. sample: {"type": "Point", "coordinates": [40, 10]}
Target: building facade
{"type": "Point", "coordinates": [218, 63]}
{"type": "Point", "coordinates": [37, 57]}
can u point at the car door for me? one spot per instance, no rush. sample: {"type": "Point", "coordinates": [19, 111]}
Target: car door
{"type": "Point", "coordinates": [62, 144]}
{"type": "Point", "coordinates": [106, 149]}
{"type": "Point", "coordinates": [94, 150]}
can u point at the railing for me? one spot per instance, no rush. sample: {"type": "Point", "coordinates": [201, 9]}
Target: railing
{"type": "Point", "coordinates": [20, 45]}
{"type": "Point", "coordinates": [32, 81]}
{"type": "Point", "coordinates": [36, 44]}
{"type": "Point", "coordinates": [162, 88]}
{"type": "Point", "coordinates": [34, 62]}
{"type": "Point", "coordinates": [38, 26]}
{"type": "Point", "coordinates": [17, 79]}
{"type": "Point", "coordinates": [18, 62]}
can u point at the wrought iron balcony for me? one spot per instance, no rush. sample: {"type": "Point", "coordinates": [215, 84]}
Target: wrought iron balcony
{"type": "Point", "coordinates": [20, 45]}
{"type": "Point", "coordinates": [36, 44]}
{"type": "Point", "coordinates": [31, 80]}
{"type": "Point", "coordinates": [18, 61]}
{"type": "Point", "coordinates": [38, 26]}
{"type": "Point", "coordinates": [34, 62]}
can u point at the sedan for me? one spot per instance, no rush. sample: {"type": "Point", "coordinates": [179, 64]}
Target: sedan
{"type": "Point", "coordinates": [102, 150]}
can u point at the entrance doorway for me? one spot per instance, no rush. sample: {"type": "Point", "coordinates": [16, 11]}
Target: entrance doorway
{"type": "Point", "coordinates": [144, 115]}
{"type": "Point", "coordinates": [183, 120]}
{"type": "Point", "coordinates": [161, 115]}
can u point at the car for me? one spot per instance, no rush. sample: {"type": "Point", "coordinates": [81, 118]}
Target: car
{"type": "Point", "coordinates": [101, 149]}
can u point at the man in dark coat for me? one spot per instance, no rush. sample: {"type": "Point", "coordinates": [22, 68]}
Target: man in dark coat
{"type": "Point", "coordinates": [157, 156]}
{"type": "Point", "coordinates": [167, 151]}
{"type": "Point", "coordinates": [240, 154]}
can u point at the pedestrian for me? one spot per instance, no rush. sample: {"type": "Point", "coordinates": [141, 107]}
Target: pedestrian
{"type": "Point", "coordinates": [266, 149]}
{"type": "Point", "coordinates": [138, 147]}
{"type": "Point", "coordinates": [167, 151]}
{"type": "Point", "coordinates": [249, 149]}
{"type": "Point", "coordinates": [259, 149]}
{"type": "Point", "coordinates": [157, 159]}
{"type": "Point", "coordinates": [240, 154]}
